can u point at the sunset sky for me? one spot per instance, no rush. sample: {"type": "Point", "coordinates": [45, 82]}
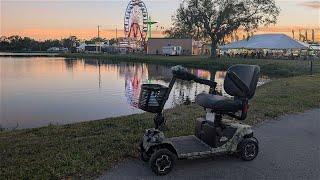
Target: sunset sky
{"type": "Point", "coordinates": [42, 19]}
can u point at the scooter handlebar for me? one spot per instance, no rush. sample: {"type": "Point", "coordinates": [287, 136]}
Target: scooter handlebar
{"type": "Point", "coordinates": [180, 72]}
{"type": "Point", "coordinates": [210, 83]}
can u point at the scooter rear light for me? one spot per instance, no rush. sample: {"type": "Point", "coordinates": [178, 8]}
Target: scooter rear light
{"type": "Point", "coordinates": [245, 106]}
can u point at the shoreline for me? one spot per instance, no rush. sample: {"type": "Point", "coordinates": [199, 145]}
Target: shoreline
{"type": "Point", "coordinates": [273, 68]}
{"type": "Point", "coordinates": [29, 54]}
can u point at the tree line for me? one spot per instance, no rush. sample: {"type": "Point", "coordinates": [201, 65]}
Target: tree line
{"type": "Point", "coordinates": [213, 20]}
{"type": "Point", "coordinates": [24, 44]}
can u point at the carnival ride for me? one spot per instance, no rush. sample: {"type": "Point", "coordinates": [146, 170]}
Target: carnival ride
{"type": "Point", "coordinates": [137, 23]}
{"type": "Point", "coordinates": [135, 20]}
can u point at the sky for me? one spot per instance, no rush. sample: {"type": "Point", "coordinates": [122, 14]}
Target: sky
{"type": "Point", "coordinates": [45, 19]}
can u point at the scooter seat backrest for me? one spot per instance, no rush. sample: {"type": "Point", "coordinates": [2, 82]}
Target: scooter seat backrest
{"type": "Point", "coordinates": [241, 80]}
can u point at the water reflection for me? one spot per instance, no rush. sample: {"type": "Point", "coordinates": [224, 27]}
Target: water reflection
{"type": "Point", "coordinates": [136, 74]}
{"type": "Point", "coordinates": [134, 78]}
{"type": "Point", "coordinates": [41, 91]}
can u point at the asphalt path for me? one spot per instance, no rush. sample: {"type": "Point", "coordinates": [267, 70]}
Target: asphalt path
{"type": "Point", "coordinates": [289, 149]}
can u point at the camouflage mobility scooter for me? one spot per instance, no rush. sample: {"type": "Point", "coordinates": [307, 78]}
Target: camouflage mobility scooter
{"type": "Point", "coordinates": [213, 135]}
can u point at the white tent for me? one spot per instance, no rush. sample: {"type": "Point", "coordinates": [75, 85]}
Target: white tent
{"type": "Point", "coordinates": [267, 41]}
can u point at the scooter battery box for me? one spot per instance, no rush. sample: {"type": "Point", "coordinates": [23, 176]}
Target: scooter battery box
{"type": "Point", "coordinates": [209, 134]}
{"type": "Point", "coordinates": [205, 130]}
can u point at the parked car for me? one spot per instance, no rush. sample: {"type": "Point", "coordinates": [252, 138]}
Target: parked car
{"type": "Point", "coordinates": [172, 50]}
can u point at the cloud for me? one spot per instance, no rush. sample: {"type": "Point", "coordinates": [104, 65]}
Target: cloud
{"type": "Point", "coordinates": [312, 4]}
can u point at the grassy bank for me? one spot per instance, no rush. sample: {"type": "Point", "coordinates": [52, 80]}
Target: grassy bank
{"type": "Point", "coordinates": [272, 68]}
{"type": "Point", "coordinates": [87, 149]}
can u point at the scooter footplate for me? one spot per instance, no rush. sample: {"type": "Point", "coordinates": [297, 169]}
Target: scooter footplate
{"type": "Point", "coordinates": [187, 146]}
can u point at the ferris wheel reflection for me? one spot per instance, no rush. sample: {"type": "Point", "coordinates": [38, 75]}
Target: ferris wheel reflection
{"type": "Point", "coordinates": [183, 92]}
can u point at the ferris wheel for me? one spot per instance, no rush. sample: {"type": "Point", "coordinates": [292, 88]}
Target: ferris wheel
{"type": "Point", "coordinates": [136, 20]}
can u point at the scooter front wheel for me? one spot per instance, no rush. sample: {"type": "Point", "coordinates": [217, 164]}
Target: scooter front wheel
{"type": "Point", "coordinates": [249, 149]}
{"type": "Point", "coordinates": [162, 162]}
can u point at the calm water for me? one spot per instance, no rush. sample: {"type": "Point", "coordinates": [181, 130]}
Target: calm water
{"type": "Point", "coordinates": [46, 90]}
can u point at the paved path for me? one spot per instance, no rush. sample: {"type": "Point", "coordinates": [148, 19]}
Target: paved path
{"type": "Point", "coordinates": [289, 149]}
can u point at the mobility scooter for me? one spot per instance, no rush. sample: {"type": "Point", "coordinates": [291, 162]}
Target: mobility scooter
{"type": "Point", "coordinates": [213, 135]}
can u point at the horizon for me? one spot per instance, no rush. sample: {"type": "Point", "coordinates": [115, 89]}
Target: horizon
{"type": "Point", "coordinates": [81, 18]}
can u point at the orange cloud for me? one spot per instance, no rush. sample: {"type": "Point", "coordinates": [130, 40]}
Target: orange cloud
{"type": "Point", "coordinates": [312, 4]}
{"type": "Point", "coordinates": [61, 33]}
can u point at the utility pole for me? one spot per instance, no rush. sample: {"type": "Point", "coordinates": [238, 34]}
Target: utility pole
{"type": "Point", "coordinates": [98, 43]}
{"type": "Point", "coordinates": [313, 36]}
{"type": "Point", "coordinates": [99, 31]}
{"type": "Point", "coordinates": [116, 34]}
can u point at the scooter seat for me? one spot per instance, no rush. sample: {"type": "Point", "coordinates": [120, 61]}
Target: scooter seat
{"type": "Point", "coordinates": [218, 104]}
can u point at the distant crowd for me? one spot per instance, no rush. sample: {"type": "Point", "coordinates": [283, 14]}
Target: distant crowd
{"type": "Point", "coordinates": [260, 54]}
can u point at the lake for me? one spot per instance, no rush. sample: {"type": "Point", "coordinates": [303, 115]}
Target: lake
{"type": "Point", "coordinates": [38, 91]}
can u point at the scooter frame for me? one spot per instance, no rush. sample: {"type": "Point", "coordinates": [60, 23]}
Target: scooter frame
{"type": "Point", "coordinates": [192, 147]}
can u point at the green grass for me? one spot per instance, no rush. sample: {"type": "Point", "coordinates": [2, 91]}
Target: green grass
{"type": "Point", "coordinates": [272, 68]}
{"type": "Point", "coordinates": [86, 150]}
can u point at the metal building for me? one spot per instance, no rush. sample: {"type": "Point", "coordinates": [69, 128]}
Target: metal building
{"type": "Point", "coordinates": [155, 45]}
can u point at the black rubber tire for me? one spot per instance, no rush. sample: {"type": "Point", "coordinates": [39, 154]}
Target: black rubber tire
{"type": "Point", "coordinates": [167, 160]}
{"type": "Point", "coordinates": [249, 149]}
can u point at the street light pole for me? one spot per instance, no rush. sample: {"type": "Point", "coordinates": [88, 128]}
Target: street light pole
{"type": "Point", "coordinates": [98, 43]}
